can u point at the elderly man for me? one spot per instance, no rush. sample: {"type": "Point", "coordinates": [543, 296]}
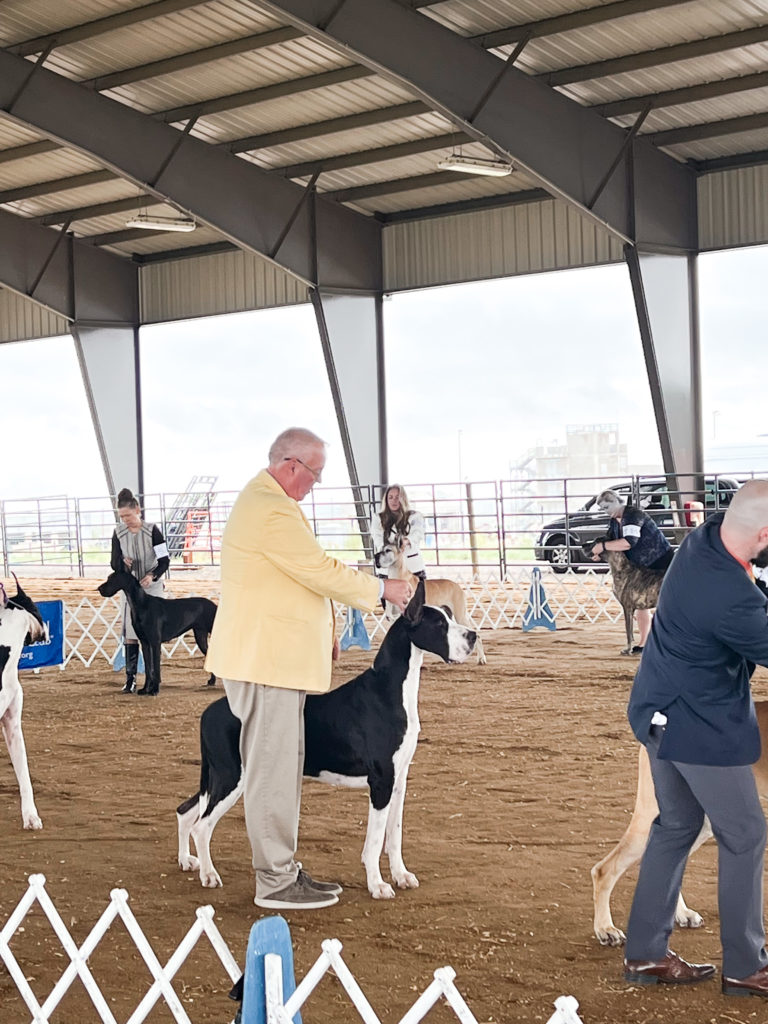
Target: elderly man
{"type": "Point", "coordinates": [636, 534]}
{"type": "Point", "coordinates": [272, 643]}
{"type": "Point", "coordinates": [692, 707]}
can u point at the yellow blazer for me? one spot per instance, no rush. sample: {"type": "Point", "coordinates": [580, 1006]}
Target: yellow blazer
{"type": "Point", "coordinates": [275, 622]}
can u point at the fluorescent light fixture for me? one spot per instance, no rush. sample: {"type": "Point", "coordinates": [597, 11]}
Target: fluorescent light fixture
{"type": "Point", "coordinates": [143, 220]}
{"type": "Point", "coordinates": [470, 165]}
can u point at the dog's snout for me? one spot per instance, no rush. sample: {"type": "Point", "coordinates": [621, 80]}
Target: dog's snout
{"type": "Point", "coordinates": [471, 638]}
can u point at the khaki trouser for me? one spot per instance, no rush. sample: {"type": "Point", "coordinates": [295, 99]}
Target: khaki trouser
{"type": "Point", "coordinates": [272, 752]}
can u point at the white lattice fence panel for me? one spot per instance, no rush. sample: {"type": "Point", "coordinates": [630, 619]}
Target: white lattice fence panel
{"type": "Point", "coordinates": [92, 630]}
{"type": "Point", "coordinates": [92, 627]}
{"type": "Point", "coordinates": [162, 984]}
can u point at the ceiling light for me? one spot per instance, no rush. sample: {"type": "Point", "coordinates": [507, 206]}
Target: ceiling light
{"type": "Point", "coordinates": [470, 165]}
{"type": "Point", "coordinates": [143, 220]}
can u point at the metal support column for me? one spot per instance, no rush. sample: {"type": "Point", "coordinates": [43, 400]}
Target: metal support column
{"type": "Point", "coordinates": [350, 328]}
{"type": "Point", "coordinates": [666, 302]}
{"type": "Point", "coordinates": [109, 362]}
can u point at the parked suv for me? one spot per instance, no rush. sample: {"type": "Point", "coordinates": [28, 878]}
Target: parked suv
{"type": "Point", "coordinates": [560, 541]}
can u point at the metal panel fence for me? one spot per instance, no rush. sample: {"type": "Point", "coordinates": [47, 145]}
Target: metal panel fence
{"type": "Point", "coordinates": [472, 529]}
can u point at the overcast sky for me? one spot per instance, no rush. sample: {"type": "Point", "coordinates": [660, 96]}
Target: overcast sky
{"type": "Point", "coordinates": [476, 375]}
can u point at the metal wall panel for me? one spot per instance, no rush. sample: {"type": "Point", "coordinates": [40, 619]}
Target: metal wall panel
{"type": "Point", "coordinates": [230, 282]}
{"type": "Point", "coordinates": [733, 208]}
{"type": "Point", "coordinates": [22, 320]}
{"type": "Point", "coordinates": [504, 242]}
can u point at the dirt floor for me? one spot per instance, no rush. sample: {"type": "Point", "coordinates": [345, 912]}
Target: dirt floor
{"type": "Point", "coordinates": [523, 778]}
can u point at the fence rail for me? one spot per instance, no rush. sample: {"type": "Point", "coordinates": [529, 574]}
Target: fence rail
{"type": "Point", "coordinates": [470, 527]}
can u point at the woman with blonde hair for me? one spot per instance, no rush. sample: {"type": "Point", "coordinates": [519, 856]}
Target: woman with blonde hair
{"type": "Point", "coordinates": [398, 523]}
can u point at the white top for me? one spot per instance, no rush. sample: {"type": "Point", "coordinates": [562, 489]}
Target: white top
{"type": "Point", "coordinates": [413, 559]}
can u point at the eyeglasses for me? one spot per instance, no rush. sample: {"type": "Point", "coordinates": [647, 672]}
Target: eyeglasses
{"type": "Point", "coordinates": [316, 473]}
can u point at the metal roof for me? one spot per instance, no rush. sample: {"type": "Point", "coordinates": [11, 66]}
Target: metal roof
{"type": "Point", "coordinates": [694, 71]}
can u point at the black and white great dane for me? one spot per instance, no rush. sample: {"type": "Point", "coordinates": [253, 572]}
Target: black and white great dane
{"type": "Point", "coordinates": [20, 624]}
{"type": "Point", "coordinates": [363, 733]}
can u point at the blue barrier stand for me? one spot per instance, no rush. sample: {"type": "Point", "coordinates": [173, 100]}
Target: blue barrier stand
{"type": "Point", "coordinates": [49, 650]}
{"type": "Point", "coordinates": [269, 935]}
{"type": "Point", "coordinates": [355, 633]}
{"type": "Point", "coordinates": [119, 661]}
{"type": "Point", "coordinates": [538, 612]}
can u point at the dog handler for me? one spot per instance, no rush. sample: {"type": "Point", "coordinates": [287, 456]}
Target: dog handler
{"type": "Point", "coordinates": [272, 642]}
{"type": "Point", "coordinates": [636, 534]}
{"type": "Point", "coordinates": [139, 548]}
{"type": "Point", "coordinates": [397, 522]}
{"type": "Point", "coordinates": [692, 707]}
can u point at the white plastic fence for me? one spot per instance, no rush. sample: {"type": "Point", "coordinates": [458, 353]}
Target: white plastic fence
{"type": "Point", "coordinates": [442, 987]}
{"type": "Point", "coordinates": [92, 627]}
{"type": "Point", "coordinates": [161, 987]}
{"type": "Point", "coordinates": [277, 1010]}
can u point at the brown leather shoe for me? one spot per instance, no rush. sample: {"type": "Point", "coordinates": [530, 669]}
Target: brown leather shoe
{"type": "Point", "coordinates": [672, 970]}
{"type": "Point", "coordinates": [755, 985]}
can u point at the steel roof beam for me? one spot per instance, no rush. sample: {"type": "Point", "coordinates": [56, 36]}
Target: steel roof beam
{"type": "Point", "coordinates": [184, 61]}
{"type": "Point", "coordinates": [250, 143]}
{"type": "Point", "coordinates": [725, 163]}
{"type": "Point", "coordinates": [531, 195]}
{"type": "Point", "coordinates": [372, 156]}
{"type": "Point", "coordinates": [566, 147]}
{"type": "Point", "coordinates": [394, 186]}
{"type": "Point", "coordinates": [585, 18]}
{"type": "Point", "coordinates": [248, 206]}
{"type": "Point", "coordinates": [709, 129]}
{"type": "Point", "coordinates": [313, 130]}
{"type": "Point", "coordinates": [686, 94]}
{"type": "Point", "coordinates": [359, 158]}
{"type": "Point", "coordinates": [67, 276]}
{"type": "Point", "coordinates": [276, 90]}
{"type": "Point", "coordinates": [99, 26]}
{"type": "Point", "coordinates": [656, 58]}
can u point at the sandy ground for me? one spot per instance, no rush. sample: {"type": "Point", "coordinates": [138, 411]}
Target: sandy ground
{"type": "Point", "coordinates": [523, 778]}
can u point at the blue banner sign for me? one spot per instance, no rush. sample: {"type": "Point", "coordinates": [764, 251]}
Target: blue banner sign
{"type": "Point", "coordinates": [50, 650]}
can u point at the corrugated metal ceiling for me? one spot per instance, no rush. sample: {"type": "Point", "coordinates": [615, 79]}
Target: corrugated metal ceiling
{"type": "Point", "coordinates": [260, 80]}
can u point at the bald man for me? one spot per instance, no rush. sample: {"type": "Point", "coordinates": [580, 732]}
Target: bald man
{"type": "Point", "coordinates": [692, 707]}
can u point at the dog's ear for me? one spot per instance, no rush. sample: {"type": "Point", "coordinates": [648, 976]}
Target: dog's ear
{"type": "Point", "coordinates": [415, 608]}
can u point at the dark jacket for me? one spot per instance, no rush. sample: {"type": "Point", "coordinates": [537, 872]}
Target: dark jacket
{"type": "Point", "coordinates": [709, 630]}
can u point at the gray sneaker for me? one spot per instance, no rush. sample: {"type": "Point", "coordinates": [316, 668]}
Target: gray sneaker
{"type": "Point", "coordinates": [297, 896]}
{"type": "Point", "coordinates": [332, 887]}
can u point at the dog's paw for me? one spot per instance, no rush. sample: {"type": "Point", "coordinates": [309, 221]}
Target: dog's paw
{"type": "Point", "coordinates": [382, 891]}
{"type": "Point", "coordinates": [482, 660]}
{"type": "Point", "coordinates": [406, 880]}
{"type": "Point", "coordinates": [189, 863]}
{"type": "Point", "coordinates": [32, 821]}
{"type": "Point", "coordinates": [609, 935]}
{"type": "Point", "coordinates": [210, 879]}
{"type": "Point", "coordinates": [688, 918]}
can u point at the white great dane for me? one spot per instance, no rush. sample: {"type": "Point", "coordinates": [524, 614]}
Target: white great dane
{"type": "Point", "coordinates": [20, 623]}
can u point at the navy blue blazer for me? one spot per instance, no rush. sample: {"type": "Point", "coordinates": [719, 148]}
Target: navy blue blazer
{"type": "Point", "coordinates": [709, 630]}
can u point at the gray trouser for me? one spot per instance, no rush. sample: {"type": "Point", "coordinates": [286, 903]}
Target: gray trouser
{"type": "Point", "coordinates": [272, 752]}
{"type": "Point", "coordinates": [157, 589]}
{"type": "Point", "coordinates": [728, 796]}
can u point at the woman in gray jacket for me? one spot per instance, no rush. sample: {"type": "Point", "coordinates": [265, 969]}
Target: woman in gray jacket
{"type": "Point", "coordinates": [140, 549]}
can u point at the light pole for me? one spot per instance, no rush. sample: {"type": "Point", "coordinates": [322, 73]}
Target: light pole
{"type": "Point", "coordinates": [459, 433]}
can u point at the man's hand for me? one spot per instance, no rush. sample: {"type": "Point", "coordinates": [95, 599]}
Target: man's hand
{"type": "Point", "coordinates": [146, 580]}
{"type": "Point", "coordinates": [398, 593]}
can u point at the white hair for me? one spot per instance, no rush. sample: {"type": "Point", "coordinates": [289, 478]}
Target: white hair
{"type": "Point", "coordinates": [608, 500]}
{"type": "Point", "coordinates": [294, 442]}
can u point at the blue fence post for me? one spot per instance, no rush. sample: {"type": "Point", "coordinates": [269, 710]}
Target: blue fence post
{"type": "Point", "coordinates": [538, 612]}
{"type": "Point", "coordinates": [269, 935]}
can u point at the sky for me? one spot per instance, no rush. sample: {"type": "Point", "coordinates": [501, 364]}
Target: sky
{"type": "Point", "coordinates": [476, 375]}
